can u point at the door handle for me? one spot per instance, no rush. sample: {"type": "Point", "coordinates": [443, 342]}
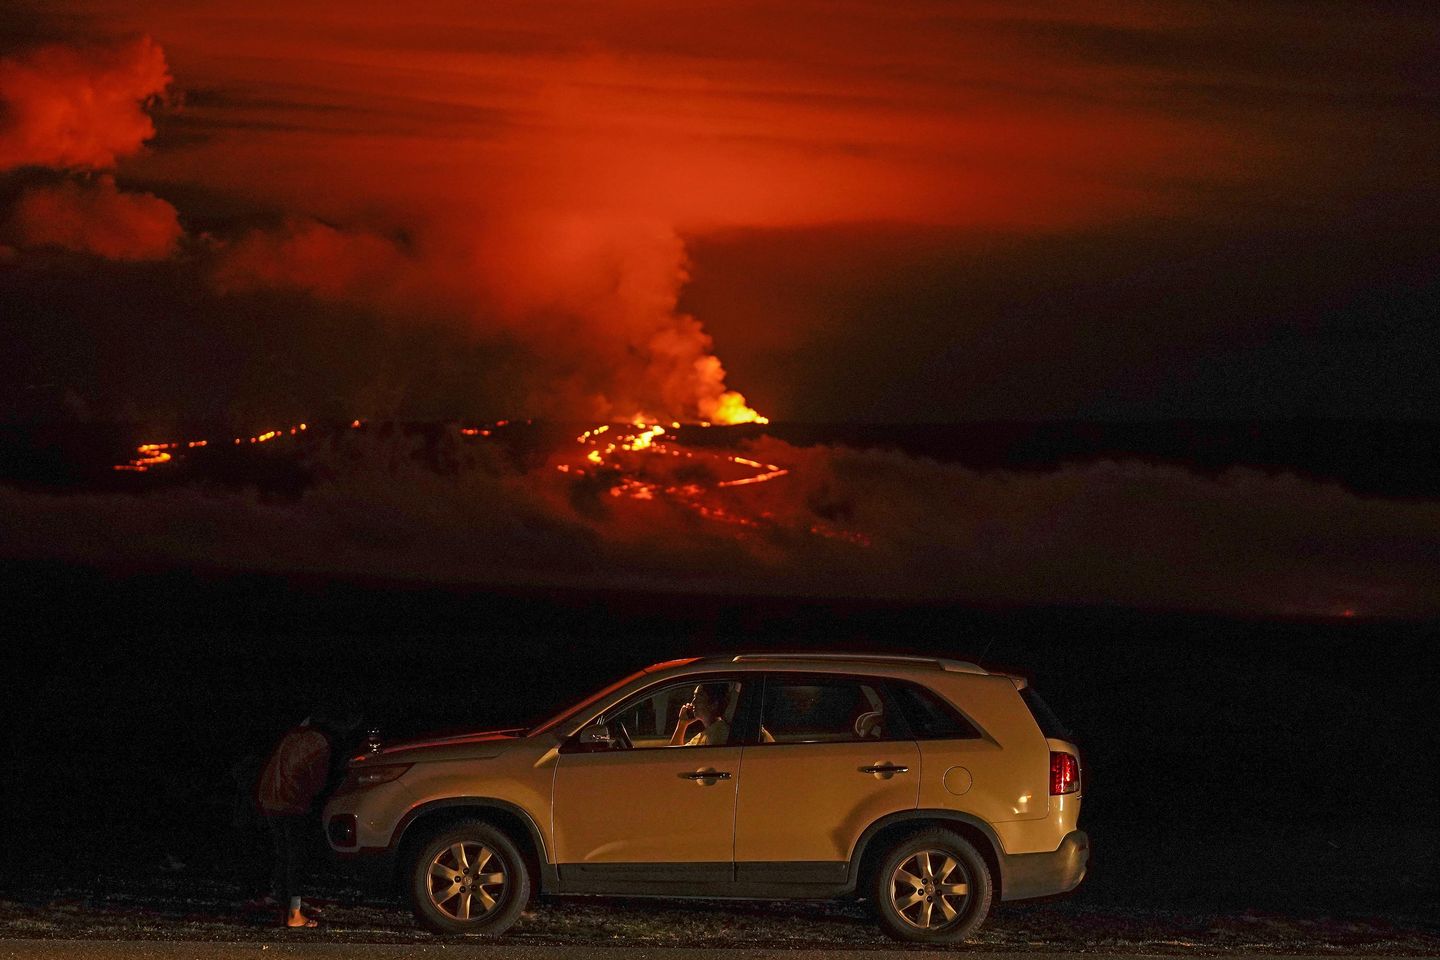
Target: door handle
{"type": "Point", "coordinates": [706, 775]}
{"type": "Point", "coordinates": [883, 769]}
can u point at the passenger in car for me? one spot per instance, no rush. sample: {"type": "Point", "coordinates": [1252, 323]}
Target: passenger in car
{"type": "Point", "coordinates": [706, 707]}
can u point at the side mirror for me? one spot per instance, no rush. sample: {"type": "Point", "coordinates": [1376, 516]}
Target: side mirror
{"type": "Point", "coordinates": [597, 736]}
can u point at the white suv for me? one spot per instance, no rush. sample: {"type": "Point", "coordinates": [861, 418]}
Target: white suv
{"type": "Point", "coordinates": [929, 787]}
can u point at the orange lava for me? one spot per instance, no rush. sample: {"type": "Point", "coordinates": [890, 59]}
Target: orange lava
{"type": "Point", "coordinates": [636, 460]}
{"type": "Point", "coordinates": [154, 454]}
{"type": "Point", "coordinates": [629, 456]}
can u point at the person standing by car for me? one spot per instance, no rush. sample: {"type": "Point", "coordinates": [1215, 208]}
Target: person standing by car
{"type": "Point", "coordinates": [296, 776]}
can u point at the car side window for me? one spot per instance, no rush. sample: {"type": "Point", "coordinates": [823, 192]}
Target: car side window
{"type": "Point", "coordinates": [930, 716]}
{"type": "Point", "coordinates": [823, 709]}
{"type": "Point", "coordinates": [688, 713]}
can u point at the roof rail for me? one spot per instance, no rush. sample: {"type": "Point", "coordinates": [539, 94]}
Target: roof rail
{"type": "Point", "coordinates": [952, 666]}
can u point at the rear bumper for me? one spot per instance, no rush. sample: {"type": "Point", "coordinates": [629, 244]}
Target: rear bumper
{"type": "Point", "coordinates": [1025, 876]}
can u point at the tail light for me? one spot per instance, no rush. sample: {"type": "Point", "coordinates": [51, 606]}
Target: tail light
{"type": "Point", "coordinates": [1064, 773]}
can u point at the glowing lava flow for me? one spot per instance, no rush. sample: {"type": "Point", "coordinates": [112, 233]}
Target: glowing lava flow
{"type": "Point", "coordinates": [154, 454]}
{"type": "Point", "coordinates": [639, 465]}
{"type": "Point", "coordinates": [481, 431]}
{"type": "Point", "coordinates": [608, 446]}
{"type": "Point", "coordinates": [731, 410]}
{"type": "Point", "coordinates": [150, 455]}
{"type": "Point", "coordinates": [639, 461]}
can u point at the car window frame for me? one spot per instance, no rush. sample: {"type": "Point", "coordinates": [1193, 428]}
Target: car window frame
{"type": "Point", "coordinates": [901, 731]}
{"type": "Point", "coordinates": [742, 728]}
{"type": "Point", "coordinates": [945, 703]}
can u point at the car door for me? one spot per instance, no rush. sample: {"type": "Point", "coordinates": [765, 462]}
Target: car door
{"type": "Point", "coordinates": [642, 809]}
{"type": "Point", "coordinates": [831, 760]}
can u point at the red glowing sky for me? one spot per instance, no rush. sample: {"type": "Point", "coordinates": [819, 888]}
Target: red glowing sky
{"type": "Point", "coordinates": [549, 177]}
{"type": "Point", "coordinates": [724, 115]}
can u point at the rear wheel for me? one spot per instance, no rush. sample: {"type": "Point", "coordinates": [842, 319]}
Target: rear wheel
{"type": "Point", "coordinates": [932, 887]}
{"type": "Point", "coordinates": [468, 878]}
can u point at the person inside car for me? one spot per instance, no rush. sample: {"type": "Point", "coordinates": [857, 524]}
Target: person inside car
{"type": "Point", "coordinates": [706, 707]}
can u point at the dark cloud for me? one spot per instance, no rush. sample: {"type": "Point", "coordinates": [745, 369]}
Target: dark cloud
{"type": "Point", "coordinates": [174, 349]}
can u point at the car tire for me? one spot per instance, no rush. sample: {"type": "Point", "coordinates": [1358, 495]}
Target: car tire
{"type": "Point", "coordinates": [469, 878]}
{"type": "Point", "coordinates": [931, 887]}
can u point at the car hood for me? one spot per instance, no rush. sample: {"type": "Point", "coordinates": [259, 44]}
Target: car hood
{"type": "Point", "coordinates": [476, 745]}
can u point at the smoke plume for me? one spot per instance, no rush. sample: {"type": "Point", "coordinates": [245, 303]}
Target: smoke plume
{"type": "Point", "coordinates": [592, 302]}
{"type": "Point", "coordinates": [96, 217]}
{"type": "Point", "coordinates": [78, 108]}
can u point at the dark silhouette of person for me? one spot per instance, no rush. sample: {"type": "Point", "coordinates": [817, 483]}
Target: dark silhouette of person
{"type": "Point", "coordinates": [294, 781]}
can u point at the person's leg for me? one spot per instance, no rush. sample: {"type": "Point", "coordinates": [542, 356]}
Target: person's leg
{"type": "Point", "coordinates": [287, 855]}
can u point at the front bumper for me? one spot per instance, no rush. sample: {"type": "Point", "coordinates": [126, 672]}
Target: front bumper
{"type": "Point", "coordinates": [1025, 876]}
{"type": "Point", "coordinates": [373, 869]}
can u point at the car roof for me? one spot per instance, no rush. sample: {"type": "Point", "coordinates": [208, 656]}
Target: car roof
{"type": "Point", "coordinates": [800, 659]}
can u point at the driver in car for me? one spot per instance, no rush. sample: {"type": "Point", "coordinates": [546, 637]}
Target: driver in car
{"type": "Point", "coordinates": [706, 707]}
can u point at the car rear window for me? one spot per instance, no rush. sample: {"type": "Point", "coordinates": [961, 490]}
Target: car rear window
{"type": "Point", "coordinates": [1050, 724]}
{"type": "Point", "coordinates": [929, 716]}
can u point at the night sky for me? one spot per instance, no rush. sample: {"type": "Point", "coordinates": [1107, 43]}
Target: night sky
{"type": "Point", "coordinates": [846, 212]}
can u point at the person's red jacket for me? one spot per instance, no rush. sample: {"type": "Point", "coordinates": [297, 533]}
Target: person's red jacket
{"type": "Point", "coordinates": [295, 773]}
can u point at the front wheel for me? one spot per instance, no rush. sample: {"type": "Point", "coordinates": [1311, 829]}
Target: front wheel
{"type": "Point", "coordinates": [468, 878]}
{"type": "Point", "coordinates": [932, 887]}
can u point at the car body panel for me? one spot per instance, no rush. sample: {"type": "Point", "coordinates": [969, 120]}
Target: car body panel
{"type": "Point", "coordinates": [1008, 767]}
{"type": "Point", "coordinates": [811, 802]}
{"type": "Point", "coordinates": [638, 806]}
{"type": "Point", "coordinates": [519, 772]}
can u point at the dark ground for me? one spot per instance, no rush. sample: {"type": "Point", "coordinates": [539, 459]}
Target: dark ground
{"type": "Point", "coordinates": [1250, 784]}
{"type": "Point", "coordinates": [278, 950]}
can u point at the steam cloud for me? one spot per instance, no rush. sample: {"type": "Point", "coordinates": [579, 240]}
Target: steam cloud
{"type": "Point", "coordinates": [78, 108]}
{"type": "Point", "coordinates": [82, 109]}
{"type": "Point", "coordinates": [96, 217]}
{"type": "Point", "coordinates": [593, 301]}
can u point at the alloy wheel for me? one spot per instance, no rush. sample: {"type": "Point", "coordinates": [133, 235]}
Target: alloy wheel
{"type": "Point", "coordinates": [928, 890]}
{"type": "Point", "coordinates": [466, 880]}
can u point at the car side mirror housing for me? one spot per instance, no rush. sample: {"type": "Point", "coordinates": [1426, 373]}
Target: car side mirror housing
{"type": "Point", "coordinates": [597, 734]}
{"type": "Point", "coordinates": [594, 738]}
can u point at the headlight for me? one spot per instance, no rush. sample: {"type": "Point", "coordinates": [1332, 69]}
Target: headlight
{"type": "Point", "coordinates": [370, 776]}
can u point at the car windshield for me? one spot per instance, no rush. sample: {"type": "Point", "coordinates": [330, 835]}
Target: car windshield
{"type": "Point", "coordinates": [569, 712]}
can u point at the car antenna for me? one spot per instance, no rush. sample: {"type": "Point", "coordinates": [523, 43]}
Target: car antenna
{"type": "Point", "coordinates": [989, 643]}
